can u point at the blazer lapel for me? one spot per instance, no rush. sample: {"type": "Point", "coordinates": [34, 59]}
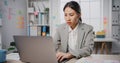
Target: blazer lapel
{"type": "Point", "coordinates": [66, 37]}
{"type": "Point", "coordinates": [81, 34]}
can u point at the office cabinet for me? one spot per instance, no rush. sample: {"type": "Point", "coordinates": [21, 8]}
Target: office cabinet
{"type": "Point", "coordinates": [38, 22]}
{"type": "Point", "coordinates": [115, 19]}
{"type": "Point", "coordinates": [115, 25]}
{"type": "Point", "coordinates": [115, 31]}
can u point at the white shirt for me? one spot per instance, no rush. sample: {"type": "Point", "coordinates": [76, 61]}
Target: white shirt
{"type": "Point", "coordinates": [73, 35]}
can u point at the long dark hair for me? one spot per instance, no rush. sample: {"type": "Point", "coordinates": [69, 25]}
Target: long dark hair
{"type": "Point", "coordinates": [75, 6]}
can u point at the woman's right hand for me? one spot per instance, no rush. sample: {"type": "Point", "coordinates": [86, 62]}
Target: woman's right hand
{"type": "Point", "coordinates": [59, 56]}
{"type": "Point", "coordinates": [62, 56]}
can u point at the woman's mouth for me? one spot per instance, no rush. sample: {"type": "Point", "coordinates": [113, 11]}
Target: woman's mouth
{"type": "Point", "coordinates": [69, 22]}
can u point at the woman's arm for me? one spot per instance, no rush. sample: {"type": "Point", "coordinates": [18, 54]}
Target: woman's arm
{"type": "Point", "coordinates": [57, 40]}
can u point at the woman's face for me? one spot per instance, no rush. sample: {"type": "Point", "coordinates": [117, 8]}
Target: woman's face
{"type": "Point", "coordinates": [71, 16]}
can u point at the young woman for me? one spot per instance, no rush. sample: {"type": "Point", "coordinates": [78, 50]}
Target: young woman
{"type": "Point", "coordinates": [73, 39]}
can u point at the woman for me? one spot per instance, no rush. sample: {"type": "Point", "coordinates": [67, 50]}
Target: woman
{"type": "Point", "coordinates": [73, 39]}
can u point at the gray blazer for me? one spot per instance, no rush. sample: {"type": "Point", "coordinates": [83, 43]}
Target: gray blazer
{"type": "Point", "coordinates": [85, 41]}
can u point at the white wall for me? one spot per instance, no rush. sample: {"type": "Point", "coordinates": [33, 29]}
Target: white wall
{"type": "Point", "coordinates": [14, 13]}
{"type": "Point", "coordinates": [107, 14]}
{"type": "Point", "coordinates": [54, 15]}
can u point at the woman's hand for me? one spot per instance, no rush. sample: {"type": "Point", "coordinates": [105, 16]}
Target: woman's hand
{"type": "Point", "coordinates": [61, 56]}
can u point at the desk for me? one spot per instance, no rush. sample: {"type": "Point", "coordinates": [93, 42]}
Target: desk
{"type": "Point", "coordinates": [104, 42]}
{"type": "Point", "coordinates": [96, 58]}
{"type": "Point", "coordinates": [100, 58]}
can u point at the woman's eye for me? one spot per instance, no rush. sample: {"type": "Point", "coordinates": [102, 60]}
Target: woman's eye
{"type": "Point", "coordinates": [71, 14]}
{"type": "Point", "coordinates": [65, 15]}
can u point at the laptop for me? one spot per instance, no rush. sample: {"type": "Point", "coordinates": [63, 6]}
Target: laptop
{"type": "Point", "coordinates": [35, 49]}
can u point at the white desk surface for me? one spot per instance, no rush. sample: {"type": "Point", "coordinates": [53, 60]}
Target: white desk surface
{"type": "Point", "coordinates": [104, 40]}
{"type": "Point", "coordinates": [12, 56]}
{"type": "Point", "coordinates": [94, 58]}
{"type": "Point", "coordinates": [100, 59]}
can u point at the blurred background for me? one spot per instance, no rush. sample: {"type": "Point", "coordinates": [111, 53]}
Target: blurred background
{"type": "Point", "coordinates": [42, 17]}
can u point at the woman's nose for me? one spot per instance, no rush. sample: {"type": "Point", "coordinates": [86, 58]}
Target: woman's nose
{"type": "Point", "coordinates": [68, 18]}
